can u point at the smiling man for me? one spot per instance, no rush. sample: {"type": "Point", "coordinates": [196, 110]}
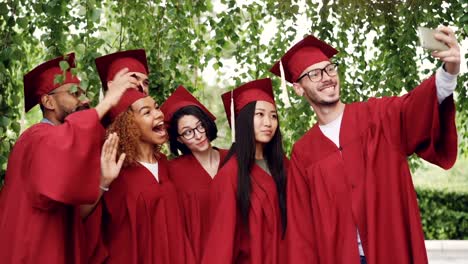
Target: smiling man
{"type": "Point", "coordinates": [350, 196]}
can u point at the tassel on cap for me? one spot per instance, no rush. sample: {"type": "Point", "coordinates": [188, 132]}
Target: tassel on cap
{"type": "Point", "coordinates": [284, 92]}
{"type": "Point", "coordinates": [101, 95]}
{"type": "Point", "coordinates": [233, 118]}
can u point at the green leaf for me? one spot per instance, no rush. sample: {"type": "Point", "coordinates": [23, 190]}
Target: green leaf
{"type": "Point", "coordinates": [37, 8]}
{"type": "Point", "coordinates": [73, 88]}
{"type": "Point", "coordinates": [16, 127]}
{"type": "Point", "coordinates": [15, 99]}
{"type": "Point", "coordinates": [81, 11]}
{"type": "Point", "coordinates": [5, 144]}
{"type": "Point", "coordinates": [84, 84]}
{"type": "Point", "coordinates": [464, 19]}
{"type": "Point", "coordinates": [64, 65]}
{"type": "Point", "coordinates": [3, 160]}
{"type": "Point", "coordinates": [4, 121]}
{"type": "Point", "coordinates": [74, 71]}
{"type": "Point", "coordinates": [11, 21]}
{"type": "Point", "coordinates": [95, 14]}
{"type": "Point", "coordinates": [59, 79]}
{"type": "Point", "coordinates": [80, 48]}
{"type": "Point", "coordinates": [3, 9]}
{"type": "Point", "coordinates": [22, 22]}
{"type": "Point", "coordinates": [220, 42]}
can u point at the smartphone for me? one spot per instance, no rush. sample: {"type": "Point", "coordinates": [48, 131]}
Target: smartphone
{"type": "Point", "coordinates": [427, 40]}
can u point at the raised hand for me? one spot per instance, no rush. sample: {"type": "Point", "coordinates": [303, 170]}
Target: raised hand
{"type": "Point", "coordinates": [122, 81]}
{"type": "Point", "coordinates": [451, 57]}
{"type": "Point", "coordinates": [110, 167]}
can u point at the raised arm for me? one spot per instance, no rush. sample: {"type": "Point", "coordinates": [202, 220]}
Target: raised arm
{"type": "Point", "coordinates": [110, 169]}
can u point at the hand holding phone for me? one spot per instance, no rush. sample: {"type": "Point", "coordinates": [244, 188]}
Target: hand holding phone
{"type": "Point", "coordinates": [427, 40]}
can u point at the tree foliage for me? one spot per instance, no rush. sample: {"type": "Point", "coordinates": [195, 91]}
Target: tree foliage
{"type": "Point", "coordinates": [226, 41]}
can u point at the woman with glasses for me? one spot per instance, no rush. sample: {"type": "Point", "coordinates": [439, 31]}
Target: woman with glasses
{"type": "Point", "coordinates": [191, 131]}
{"type": "Point", "coordinates": [247, 201]}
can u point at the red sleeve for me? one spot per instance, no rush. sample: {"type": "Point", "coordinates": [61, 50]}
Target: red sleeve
{"type": "Point", "coordinates": [417, 123]}
{"type": "Point", "coordinates": [64, 161]}
{"type": "Point", "coordinates": [300, 230]}
{"type": "Point", "coordinates": [221, 242]}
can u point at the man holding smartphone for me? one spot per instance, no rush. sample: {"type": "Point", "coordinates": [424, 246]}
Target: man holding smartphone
{"type": "Point", "coordinates": [350, 196]}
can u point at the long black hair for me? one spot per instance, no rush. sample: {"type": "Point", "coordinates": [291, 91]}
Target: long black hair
{"type": "Point", "coordinates": [206, 121]}
{"type": "Point", "coordinates": [244, 148]}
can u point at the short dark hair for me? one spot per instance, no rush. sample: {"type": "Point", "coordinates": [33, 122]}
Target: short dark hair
{"type": "Point", "coordinates": [207, 123]}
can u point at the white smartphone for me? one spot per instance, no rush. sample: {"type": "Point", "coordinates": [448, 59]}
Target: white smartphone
{"type": "Point", "coordinates": [427, 40]}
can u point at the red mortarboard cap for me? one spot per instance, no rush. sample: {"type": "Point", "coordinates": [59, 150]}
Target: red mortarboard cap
{"type": "Point", "coordinates": [109, 65]}
{"type": "Point", "coordinates": [306, 52]}
{"type": "Point", "coordinates": [181, 98]}
{"type": "Point", "coordinates": [258, 90]}
{"type": "Point", "coordinates": [40, 80]}
{"type": "Point", "coordinates": [127, 99]}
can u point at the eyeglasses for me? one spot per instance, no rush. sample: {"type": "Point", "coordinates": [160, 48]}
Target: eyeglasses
{"type": "Point", "coordinates": [77, 94]}
{"type": "Point", "coordinates": [316, 75]}
{"type": "Point", "coordinates": [190, 133]}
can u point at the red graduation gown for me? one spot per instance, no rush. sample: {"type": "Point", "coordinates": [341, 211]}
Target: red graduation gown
{"type": "Point", "coordinates": [193, 182]}
{"type": "Point", "coordinates": [228, 239]}
{"type": "Point", "coordinates": [367, 185]}
{"type": "Point", "coordinates": [142, 221]}
{"type": "Point", "coordinates": [45, 179]}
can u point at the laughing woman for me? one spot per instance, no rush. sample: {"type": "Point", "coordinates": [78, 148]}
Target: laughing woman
{"type": "Point", "coordinates": [141, 215]}
{"type": "Point", "coordinates": [145, 224]}
{"type": "Point", "coordinates": [247, 202]}
{"type": "Point", "coordinates": [191, 131]}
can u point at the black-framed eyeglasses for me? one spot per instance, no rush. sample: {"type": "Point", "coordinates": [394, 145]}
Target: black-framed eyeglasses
{"type": "Point", "coordinates": [77, 94]}
{"type": "Point", "coordinates": [316, 75]}
{"type": "Point", "coordinates": [190, 133]}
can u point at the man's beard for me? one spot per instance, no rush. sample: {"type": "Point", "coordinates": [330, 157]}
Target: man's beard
{"type": "Point", "coordinates": [78, 108]}
{"type": "Point", "coordinates": [81, 107]}
{"type": "Point", "coordinates": [315, 98]}
{"type": "Point", "coordinates": [329, 103]}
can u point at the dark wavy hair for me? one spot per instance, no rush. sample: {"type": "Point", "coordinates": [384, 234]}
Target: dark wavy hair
{"type": "Point", "coordinates": [210, 127]}
{"type": "Point", "coordinates": [244, 148]}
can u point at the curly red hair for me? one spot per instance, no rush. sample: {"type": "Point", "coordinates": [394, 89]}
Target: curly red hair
{"type": "Point", "coordinates": [129, 137]}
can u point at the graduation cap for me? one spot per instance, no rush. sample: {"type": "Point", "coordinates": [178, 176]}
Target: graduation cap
{"type": "Point", "coordinates": [181, 98]}
{"type": "Point", "coordinates": [306, 52]}
{"type": "Point", "coordinates": [235, 100]}
{"type": "Point", "coordinates": [40, 80]}
{"type": "Point", "coordinates": [109, 65]}
{"type": "Point", "coordinates": [128, 98]}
